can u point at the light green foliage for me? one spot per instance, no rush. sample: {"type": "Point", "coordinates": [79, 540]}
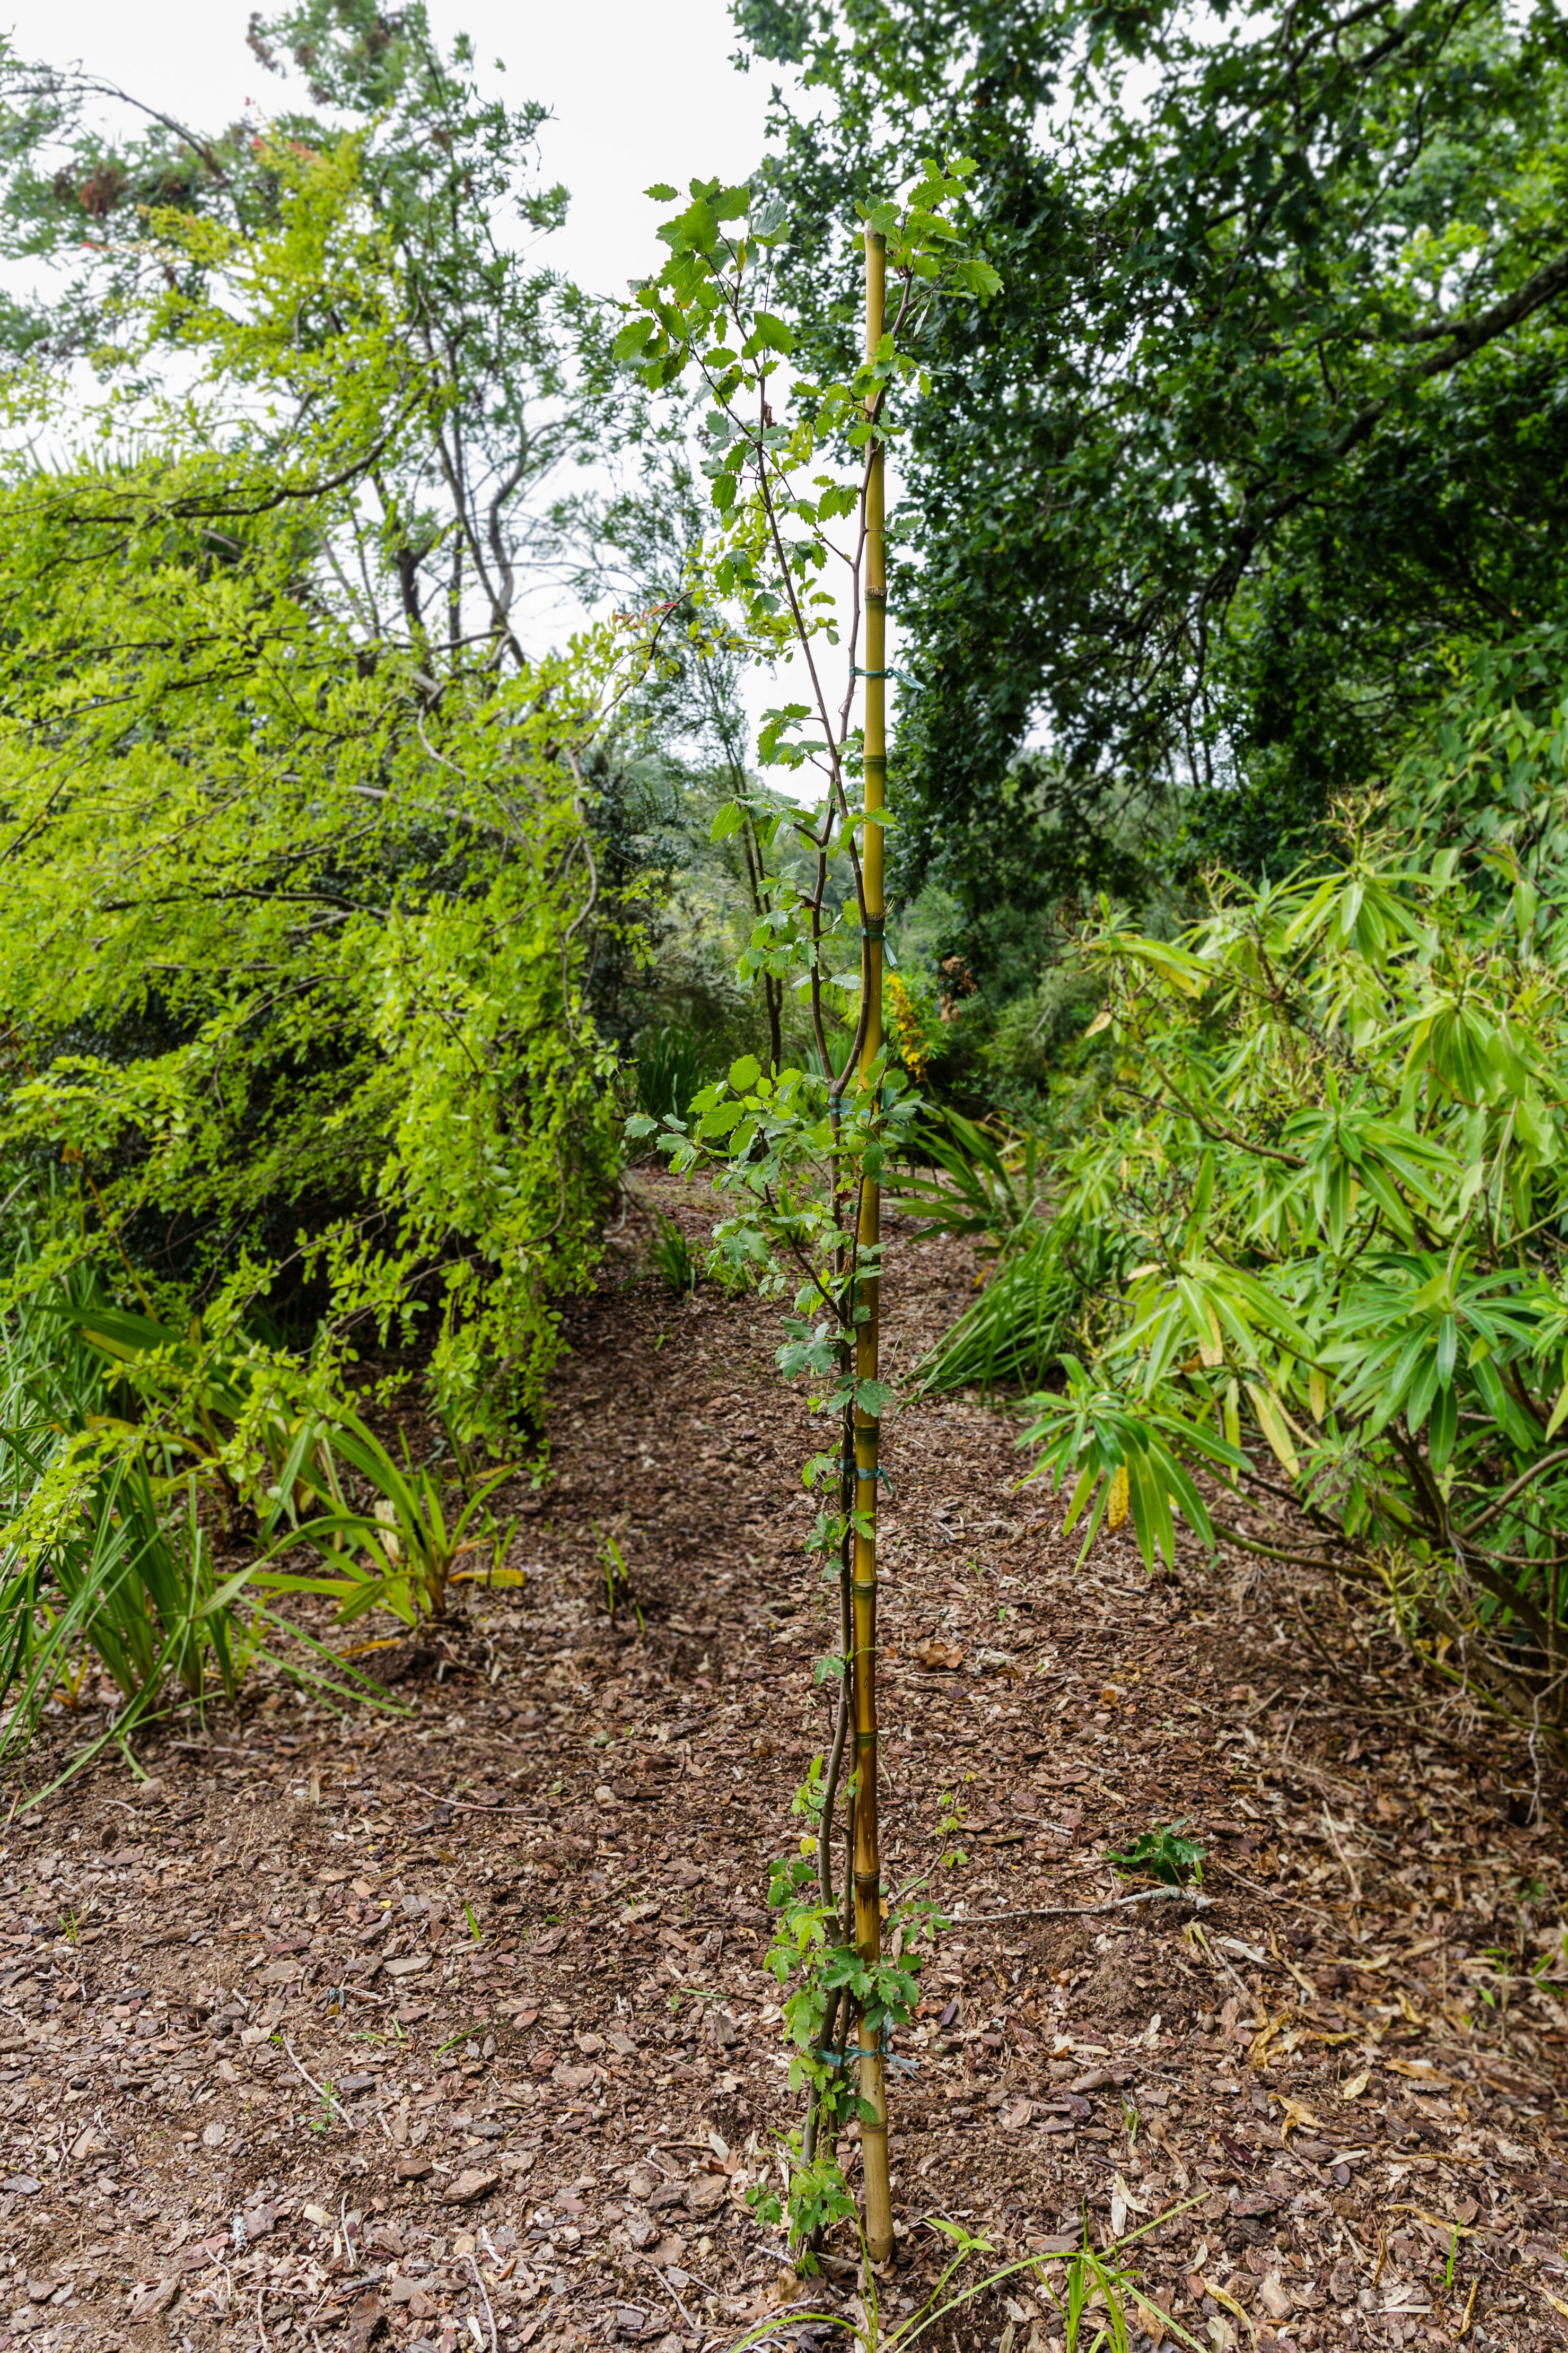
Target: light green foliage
{"type": "Point", "coordinates": [402, 1554]}
{"type": "Point", "coordinates": [709, 307]}
{"type": "Point", "coordinates": [300, 876]}
{"type": "Point", "coordinates": [108, 1556]}
{"type": "Point", "coordinates": [1097, 2297]}
{"type": "Point", "coordinates": [806, 1957]}
{"type": "Point", "coordinates": [617, 1586]}
{"type": "Point", "coordinates": [281, 1443]}
{"type": "Point", "coordinates": [786, 1146]}
{"type": "Point", "coordinates": [1336, 1136]}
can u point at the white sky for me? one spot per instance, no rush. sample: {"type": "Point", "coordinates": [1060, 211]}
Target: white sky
{"type": "Point", "coordinates": [638, 93]}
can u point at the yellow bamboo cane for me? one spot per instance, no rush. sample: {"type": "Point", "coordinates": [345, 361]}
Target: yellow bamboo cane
{"type": "Point", "coordinates": [868, 1855]}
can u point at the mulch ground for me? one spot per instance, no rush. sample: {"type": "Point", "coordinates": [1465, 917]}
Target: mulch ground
{"type": "Point", "coordinates": [449, 2027]}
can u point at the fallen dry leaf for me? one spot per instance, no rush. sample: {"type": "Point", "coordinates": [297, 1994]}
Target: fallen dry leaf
{"type": "Point", "coordinates": [1220, 2296]}
{"type": "Point", "coordinates": [1420, 2070]}
{"type": "Point", "coordinates": [935, 1653]}
{"type": "Point", "coordinates": [1356, 2086]}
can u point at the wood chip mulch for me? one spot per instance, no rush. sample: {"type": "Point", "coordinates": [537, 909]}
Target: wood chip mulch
{"type": "Point", "coordinates": [449, 2029]}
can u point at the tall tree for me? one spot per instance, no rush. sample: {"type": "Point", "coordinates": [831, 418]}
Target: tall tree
{"type": "Point", "coordinates": [300, 879]}
{"type": "Point", "coordinates": [1267, 419]}
{"type": "Point", "coordinates": [449, 173]}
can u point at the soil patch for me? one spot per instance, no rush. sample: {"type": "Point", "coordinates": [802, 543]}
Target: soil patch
{"type": "Point", "coordinates": [450, 2028]}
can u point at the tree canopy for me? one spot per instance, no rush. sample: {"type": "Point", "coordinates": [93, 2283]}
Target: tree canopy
{"type": "Point", "coordinates": [301, 894]}
{"type": "Point", "coordinates": [1264, 431]}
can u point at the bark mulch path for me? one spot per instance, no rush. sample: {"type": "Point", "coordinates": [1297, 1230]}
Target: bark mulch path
{"type": "Point", "coordinates": [450, 2028]}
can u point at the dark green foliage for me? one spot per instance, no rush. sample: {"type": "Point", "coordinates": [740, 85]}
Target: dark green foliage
{"type": "Point", "coordinates": [673, 1256]}
{"type": "Point", "coordinates": [673, 1062]}
{"type": "Point", "coordinates": [1266, 416]}
{"type": "Point", "coordinates": [1027, 1313]}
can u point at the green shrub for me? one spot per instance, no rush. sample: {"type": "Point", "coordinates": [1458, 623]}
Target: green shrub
{"type": "Point", "coordinates": [1337, 1144]}
{"type": "Point", "coordinates": [1022, 1319]}
{"type": "Point", "coordinates": [401, 1551]}
{"type": "Point", "coordinates": [105, 1552]}
{"type": "Point", "coordinates": [673, 1256]}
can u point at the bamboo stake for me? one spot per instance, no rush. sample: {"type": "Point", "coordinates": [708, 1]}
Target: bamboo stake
{"type": "Point", "coordinates": [867, 1856]}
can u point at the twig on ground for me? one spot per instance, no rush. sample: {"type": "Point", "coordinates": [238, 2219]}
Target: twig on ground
{"type": "Point", "coordinates": [320, 2089]}
{"type": "Point", "coordinates": [1265, 1894]}
{"type": "Point", "coordinates": [1089, 1911]}
{"type": "Point", "coordinates": [462, 1806]}
{"type": "Point", "coordinates": [1252, 1714]}
{"type": "Point", "coordinates": [489, 2316]}
{"type": "Point", "coordinates": [1221, 1963]}
{"type": "Point", "coordinates": [669, 2292]}
{"type": "Point", "coordinates": [1344, 1859]}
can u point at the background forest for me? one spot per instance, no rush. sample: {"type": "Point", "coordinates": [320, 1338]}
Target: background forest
{"type": "Point", "coordinates": [355, 899]}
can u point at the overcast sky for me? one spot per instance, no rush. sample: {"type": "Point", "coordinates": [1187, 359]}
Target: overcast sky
{"type": "Point", "coordinates": [639, 92]}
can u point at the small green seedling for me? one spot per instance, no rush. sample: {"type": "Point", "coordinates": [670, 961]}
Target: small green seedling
{"type": "Point", "coordinates": [1162, 1853]}
{"type": "Point", "coordinates": [950, 1822]}
{"type": "Point", "coordinates": [673, 1256]}
{"type": "Point", "coordinates": [617, 1578]}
